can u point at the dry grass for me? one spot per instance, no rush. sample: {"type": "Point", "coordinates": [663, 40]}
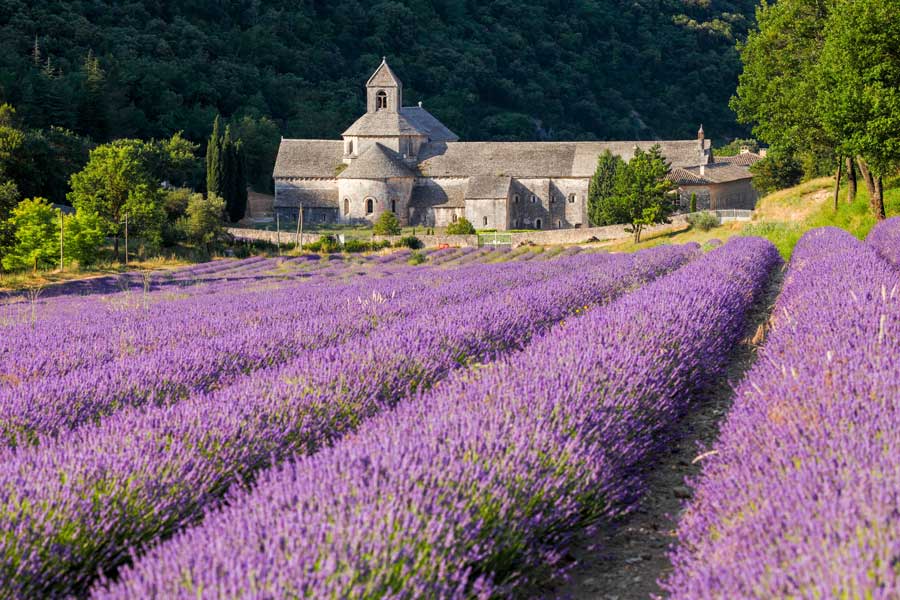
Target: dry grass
{"type": "Point", "coordinates": [10, 282]}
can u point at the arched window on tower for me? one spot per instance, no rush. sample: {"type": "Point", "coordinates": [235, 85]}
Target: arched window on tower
{"type": "Point", "coordinates": [484, 220]}
{"type": "Point", "coordinates": [381, 100]}
{"type": "Point", "coordinates": [370, 206]}
{"type": "Point", "coordinates": [346, 206]}
{"type": "Point", "coordinates": [393, 206]}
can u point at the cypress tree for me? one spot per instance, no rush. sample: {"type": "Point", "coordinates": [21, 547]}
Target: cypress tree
{"type": "Point", "coordinates": [215, 173]}
{"type": "Point", "coordinates": [239, 181]}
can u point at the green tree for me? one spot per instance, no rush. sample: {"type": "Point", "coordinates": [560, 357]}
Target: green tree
{"type": "Point", "coordinates": [203, 223]}
{"type": "Point", "coordinates": [119, 180]}
{"type": "Point", "coordinates": [603, 205]}
{"type": "Point", "coordinates": [35, 224]}
{"type": "Point", "coordinates": [387, 224]}
{"type": "Point", "coordinates": [778, 170]}
{"type": "Point", "coordinates": [693, 207]}
{"type": "Point", "coordinates": [236, 190]}
{"type": "Point", "coordinates": [860, 102]}
{"type": "Point", "coordinates": [215, 161]}
{"type": "Point", "coordinates": [84, 237]}
{"type": "Point", "coordinates": [461, 226]}
{"type": "Point", "coordinates": [642, 188]}
{"type": "Point", "coordinates": [259, 138]}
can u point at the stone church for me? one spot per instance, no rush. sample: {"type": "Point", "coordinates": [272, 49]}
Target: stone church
{"type": "Point", "coordinates": [402, 159]}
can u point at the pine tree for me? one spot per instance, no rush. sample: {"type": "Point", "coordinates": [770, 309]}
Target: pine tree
{"type": "Point", "coordinates": [93, 113]}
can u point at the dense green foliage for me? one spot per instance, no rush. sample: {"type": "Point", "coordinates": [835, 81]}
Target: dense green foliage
{"type": "Point", "coordinates": [36, 237]}
{"type": "Point", "coordinates": [84, 236]}
{"type": "Point", "coordinates": [820, 84]}
{"type": "Point", "coordinates": [203, 220]}
{"type": "Point", "coordinates": [635, 193]}
{"type": "Point", "coordinates": [602, 207]}
{"type": "Point", "coordinates": [387, 224]}
{"type": "Point", "coordinates": [462, 226]}
{"type": "Point", "coordinates": [497, 70]}
{"type": "Point", "coordinates": [226, 175]}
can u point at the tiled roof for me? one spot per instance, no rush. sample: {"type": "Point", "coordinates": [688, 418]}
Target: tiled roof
{"type": "Point", "coordinates": [410, 120]}
{"type": "Point", "coordinates": [308, 158]}
{"type": "Point", "coordinates": [426, 195]}
{"type": "Point", "coordinates": [488, 186]}
{"type": "Point", "coordinates": [377, 162]}
{"type": "Point", "coordinates": [744, 159]}
{"type": "Point", "coordinates": [540, 159]}
{"type": "Point", "coordinates": [310, 197]}
{"type": "Point", "coordinates": [427, 122]}
{"type": "Point", "coordinates": [713, 173]}
{"type": "Point", "coordinates": [384, 76]}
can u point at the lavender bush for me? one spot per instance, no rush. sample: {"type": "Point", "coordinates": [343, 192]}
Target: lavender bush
{"type": "Point", "coordinates": [75, 505]}
{"type": "Point", "coordinates": [800, 499]}
{"type": "Point", "coordinates": [885, 238]}
{"type": "Point", "coordinates": [478, 484]}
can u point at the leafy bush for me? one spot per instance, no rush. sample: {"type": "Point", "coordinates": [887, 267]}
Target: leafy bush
{"type": "Point", "coordinates": [460, 227]}
{"type": "Point", "coordinates": [325, 244]}
{"type": "Point", "coordinates": [84, 237]}
{"type": "Point", "coordinates": [203, 223]}
{"type": "Point", "coordinates": [409, 241]}
{"type": "Point", "coordinates": [365, 246]}
{"type": "Point", "coordinates": [703, 221]}
{"type": "Point", "coordinates": [387, 224]}
{"type": "Point", "coordinates": [417, 258]}
{"type": "Point", "coordinates": [36, 236]}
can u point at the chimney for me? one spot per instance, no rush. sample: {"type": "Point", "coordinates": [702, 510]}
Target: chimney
{"type": "Point", "coordinates": [702, 170]}
{"type": "Point", "coordinates": [745, 149]}
{"type": "Point", "coordinates": [420, 104]}
{"type": "Point", "coordinates": [763, 152]}
{"type": "Point", "coordinates": [700, 135]}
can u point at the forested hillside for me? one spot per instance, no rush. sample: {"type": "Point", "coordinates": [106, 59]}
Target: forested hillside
{"type": "Point", "coordinates": [508, 69]}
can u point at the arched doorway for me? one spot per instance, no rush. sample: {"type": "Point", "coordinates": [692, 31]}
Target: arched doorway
{"type": "Point", "coordinates": [537, 224]}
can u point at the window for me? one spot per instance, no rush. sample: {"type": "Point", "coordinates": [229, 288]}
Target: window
{"type": "Point", "coordinates": [454, 217]}
{"type": "Point", "coordinates": [350, 148]}
{"type": "Point", "coordinates": [571, 198]}
{"type": "Point", "coordinates": [559, 224]}
{"type": "Point", "coordinates": [537, 224]}
{"type": "Point", "coordinates": [380, 100]}
{"type": "Point", "coordinates": [516, 199]}
{"type": "Point", "coordinates": [533, 198]}
{"type": "Point", "coordinates": [346, 206]}
{"type": "Point", "coordinates": [484, 221]}
{"type": "Point", "coordinates": [370, 206]}
{"type": "Point", "coordinates": [552, 198]}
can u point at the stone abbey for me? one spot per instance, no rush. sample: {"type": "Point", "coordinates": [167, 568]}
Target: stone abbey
{"type": "Point", "coordinates": [404, 160]}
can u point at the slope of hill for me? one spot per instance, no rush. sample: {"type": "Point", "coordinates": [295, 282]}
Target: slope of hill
{"type": "Point", "coordinates": [500, 70]}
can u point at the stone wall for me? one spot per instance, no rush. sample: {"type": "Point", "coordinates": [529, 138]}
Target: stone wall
{"type": "Point", "coordinates": [540, 238]}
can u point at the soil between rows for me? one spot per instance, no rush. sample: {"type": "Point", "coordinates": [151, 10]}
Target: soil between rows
{"type": "Point", "coordinates": [625, 562]}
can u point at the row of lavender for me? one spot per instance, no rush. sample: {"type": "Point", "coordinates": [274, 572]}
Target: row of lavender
{"type": "Point", "coordinates": [473, 487]}
{"type": "Point", "coordinates": [800, 497]}
{"type": "Point", "coordinates": [74, 506]}
{"type": "Point", "coordinates": [217, 338]}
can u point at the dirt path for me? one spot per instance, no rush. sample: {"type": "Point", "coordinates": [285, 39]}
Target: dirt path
{"type": "Point", "coordinates": [624, 563]}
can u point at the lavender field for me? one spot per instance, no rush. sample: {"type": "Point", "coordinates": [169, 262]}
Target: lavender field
{"type": "Point", "coordinates": [371, 428]}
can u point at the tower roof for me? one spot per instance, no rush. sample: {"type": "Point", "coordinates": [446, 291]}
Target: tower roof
{"type": "Point", "coordinates": [409, 120]}
{"type": "Point", "coordinates": [377, 162]}
{"type": "Point", "coordinates": [384, 76]}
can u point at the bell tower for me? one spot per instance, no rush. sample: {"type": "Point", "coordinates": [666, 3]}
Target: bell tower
{"type": "Point", "coordinates": [384, 91]}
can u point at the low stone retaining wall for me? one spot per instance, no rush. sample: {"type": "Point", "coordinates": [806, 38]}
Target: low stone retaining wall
{"type": "Point", "coordinates": [540, 238]}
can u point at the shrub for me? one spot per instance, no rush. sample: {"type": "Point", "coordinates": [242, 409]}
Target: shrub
{"type": "Point", "coordinates": [409, 241]}
{"type": "Point", "coordinates": [693, 202]}
{"type": "Point", "coordinates": [325, 244]}
{"type": "Point", "coordinates": [203, 220]}
{"type": "Point", "coordinates": [84, 237]}
{"type": "Point", "coordinates": [460, 227]}
{"type": "Point", "coordinates": [387, 224]}
{"type": "Point", "coordinates": [703, 221]}
{"type": "Point", "coordinates": [417, 258]}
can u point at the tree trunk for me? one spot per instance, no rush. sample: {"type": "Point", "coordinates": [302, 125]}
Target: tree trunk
{"type": "Point", "coordinates": [878, 203]}
{"type": "Point", "coordinates": [637, 234]}
{"type": "Point", "coordinates": [837, 182]}
{"type": "Point", "coordinates": [116, 246]}
{"type": "Point", "coordinates": [851, 181]}
{"type": "Point", "coordinates": [867, 178]}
